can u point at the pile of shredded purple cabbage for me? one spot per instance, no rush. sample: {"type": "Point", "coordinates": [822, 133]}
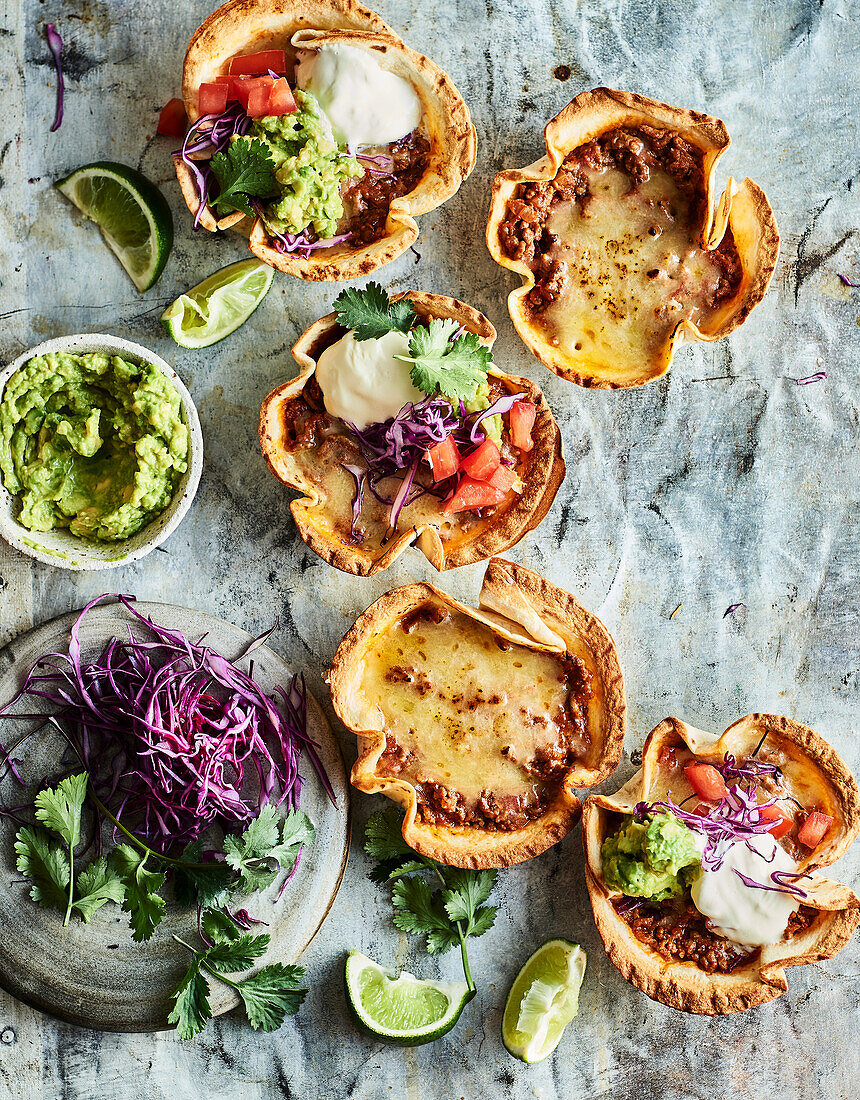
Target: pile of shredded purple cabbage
{"type": "Point", "coordinates": [735, 818]}
{"type": "Point", "coordinates": [175, 737]}
{"type": "Point", "coordinates": [397, 446]}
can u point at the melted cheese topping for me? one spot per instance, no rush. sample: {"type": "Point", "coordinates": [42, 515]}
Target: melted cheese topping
{"type": "Point", "coordinates": [477, 708]}
{"type": "Point", "coordinates": [743, 913]}
{"type": "Point", "coordinates": [362, 382]}
{"type": "Point", "coordinates": [365, 104]}
{"type": "Point", "coordinates": [634, 269]}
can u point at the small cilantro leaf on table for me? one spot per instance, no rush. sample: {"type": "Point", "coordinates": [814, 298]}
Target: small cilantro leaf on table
{"type": "Point", "coordinates": [245, 170]}
{"type": "Point", "coordinates": [447, 907]}
{"type": "Point", "coordinates": [455, 368]}
{"type": "Point", "coordinates": [370, 313]}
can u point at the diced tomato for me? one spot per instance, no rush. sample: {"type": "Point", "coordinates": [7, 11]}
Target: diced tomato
{"type": "Point", "coordinates": [173, 122]}
{"type": "Point", "coordinates": [253, 64]}
{"type": "Point", "coordinates": [473, 494]}
{"type": "Point", "coordinates": [702, 809]}
{"type": "Point", "coordinates": [244, 87]}
{"type": "Point", "coordinates": [483, 462]}
{"type": "Point", "coordinates": [814, 829]}
{"type": "Point", "coordinates": [706, 781]}
{"type": "Point", "coordinates": [258, 101]}
{"type": "Point", "coordinates": [522, 419]}
{"type": "Point", "coordinates": [502, 479]}
{"type": "Point", "coordinates": [212, 99]}
{"type": "Point", "coordinates": [444, 458]}
{"type": "Point", "coordinates": [782, 823]}
{"type": "Point", "coordinates": [281, 99]}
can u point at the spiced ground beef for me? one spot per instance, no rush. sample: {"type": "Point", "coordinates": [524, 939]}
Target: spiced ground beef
{"type": "Point", "coordinates": [441, 805]}
{"type": "Point", "coordinates": [678, 931]}
{"type": "Point", "coordinates": [370, 197]}
{"type": "Point", "coordinates": [523, 234]}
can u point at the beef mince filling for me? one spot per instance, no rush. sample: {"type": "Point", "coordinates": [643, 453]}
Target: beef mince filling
{"type": "Point", "coordinates": [649, 177]}
{"type": "Point", "coordinates": [677, 930]}
{"type": "Point", "coordinates": [369, 198]}
{"type": "Point", "coordinates": [485, 740]}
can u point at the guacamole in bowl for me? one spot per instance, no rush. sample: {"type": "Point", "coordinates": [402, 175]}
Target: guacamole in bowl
{"type": "Point", "coordinates": [100, 451]}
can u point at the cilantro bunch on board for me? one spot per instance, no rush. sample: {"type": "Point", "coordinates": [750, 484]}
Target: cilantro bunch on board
{"type": "Point", "coordinates": [445, 904]}
{"type": "Point", "coordinates": [442, 362]}
{"type": "Point", "coordinates": [134, 876]}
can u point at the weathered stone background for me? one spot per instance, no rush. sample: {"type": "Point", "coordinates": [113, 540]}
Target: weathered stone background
{"type": "Point", "coordinates": [724, 483]}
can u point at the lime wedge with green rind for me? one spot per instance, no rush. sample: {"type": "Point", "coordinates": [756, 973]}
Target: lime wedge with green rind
{"type": "Point", "coordinates": [131, 212]}
{"type": "Point", "coordinates": [404, 1010]}
{"type": "Point", "coordinates": [543, 1000]}
{"type": "Point", "coordinates": [219, 305]}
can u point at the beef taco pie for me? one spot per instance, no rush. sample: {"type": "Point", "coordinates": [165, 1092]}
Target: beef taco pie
{"type": "Point", "coordinates": [481, 723]}
{"type": "Point", "coordinates": [399, 430]}
{"type": "Point", "coordinates": [703, 870]}
{"type": "Point", "coordinates": [623, 245]}
{"type": "Point", "coordinates": [316, 132]}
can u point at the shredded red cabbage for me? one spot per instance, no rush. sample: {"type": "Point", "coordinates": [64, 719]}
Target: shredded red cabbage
{"type": "Point", "coordinates": [818, 377]}
{"type": "Point", "coordinates": [781, 885]}
{"type": "Point", "coordinates": [176, 737]}
{"type": "Point", "coordinates": [244, 919]}
{"type": "Point", "coordinates": [846, 281]}
{"type": "Point", "coordinates": [301, 242]}
{"type": "Point", "coordinates": [55, 45]}
{"type": "Point", "coordinates": [207, 136]}
{"type": "Point", "coordinates": [750, 770]}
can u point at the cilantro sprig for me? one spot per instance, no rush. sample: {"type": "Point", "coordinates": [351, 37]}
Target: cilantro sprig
{"type": "Point", "coordinates": [269, 995]}
{"type": "Point", "coordinates": [244, 171]}
{"type": "Point", "coordinates": [441, 361]}
{"type": "Point", "coordinates": [50, 865]}
{"type": "Point", "coordinates": [445, 904]}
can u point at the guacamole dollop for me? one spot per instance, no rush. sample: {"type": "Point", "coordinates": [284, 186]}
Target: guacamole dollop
{"type": "Point", "coordinates": [654, 858]}
{"type": "Point", "coordinates": [309, 166]}
{"type": "Point", "coordinates": [91, 442]}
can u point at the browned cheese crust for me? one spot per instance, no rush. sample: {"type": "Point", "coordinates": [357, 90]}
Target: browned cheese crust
{"type": "Point", "coordinates": [463, 545]}
{"type": "Point", "coordinates": [247, 26]}
{"type": "Point", "coordinates": [820, 773]}
{"type": "Point", "coordinates": [742, 213]}
{"type": "Point", "coordinates": [525, 609]}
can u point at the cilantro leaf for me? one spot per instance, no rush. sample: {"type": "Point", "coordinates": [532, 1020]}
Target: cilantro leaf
{"type": "Point", "coordinates": [467, 890]}
{"type": "Point", "coordinates": [420, 910]}
{"type": "Point", "coordinates": [272, 994]}
{"type": "Point", "coordinates": [270, 844]}
{"type": "Point", "coordinates": [43, 861]}
{"type": "Point", "coordinates": [142, 900]}
{"type": "Point", "coordinates": [96, 886]}
{"type": "Point", "coordinates": [60, 809]}
{"type": "Point", "coordinates": [296, 831]}
{"type": "Point", "coordinates": [454, 368]}
{"type": "Point", "coordinates": [191, 1009]}
{"type": "Point", "coordinates": [238, 954]}
{"type": "Point", "coordinates": [207, 885]}
{"type": "Point", "coordinates": [369, 313]}
{"type": "Point", "coordinates": [483, 920]}
{"type": "Point", "coordinates": [219, 927]}
{"type": "Point", "coordinates": [244, 170]}
{"type": "Point", "coordinates": [383, 836]}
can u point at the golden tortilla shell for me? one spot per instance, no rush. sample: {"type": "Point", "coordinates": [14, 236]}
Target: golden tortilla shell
{"type": "Point", "coordinates": [544, 473]}
{"type": "Point", "coordinates": [246, 26]}
{"type": "Point", "coordinates": [524, 608]}
{"type": "Point", "coordinates": [743, 208]}
{"type": "Point", "coordinates": [684, 985]}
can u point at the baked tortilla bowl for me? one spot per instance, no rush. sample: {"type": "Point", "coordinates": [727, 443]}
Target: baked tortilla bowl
{"type": "Point", "coordinates": [742, 211]}
{"type": "Point", "coordinates": [523, 626]}
{"type": "Point", "coordinates": [246, 26]}
{"type": "Point", "coordinates": [323, 513]}
{"type": "Point", "coordinates": [812, 769]}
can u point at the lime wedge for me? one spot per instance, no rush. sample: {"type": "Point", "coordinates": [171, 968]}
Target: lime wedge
{"type": "Point", "coordinates": [543, 1000]}
{"type": "Point", "coordinates": [131, 212]}
{"type": "Point", "coordinates": [219, 305]}
{"type": "Point", "coordinates": [403, 1011]}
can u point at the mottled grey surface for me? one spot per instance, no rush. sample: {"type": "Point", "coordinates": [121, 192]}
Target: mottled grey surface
{"type": "Point", "coordinates": [723, 483]}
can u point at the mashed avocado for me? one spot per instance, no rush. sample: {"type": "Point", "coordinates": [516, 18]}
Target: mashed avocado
{"type": "Point", "coordinates": [655, 858]}
{"type": "Point", "coordinates": [492, 425]}
{"type": "Point", "coordinates": [91, 442]}
{"type": "Point", "coordinates": [309, 166]}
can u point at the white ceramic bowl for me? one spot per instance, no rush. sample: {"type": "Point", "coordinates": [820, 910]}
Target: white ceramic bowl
{"type": "Point", "coordinates": [67, 551]}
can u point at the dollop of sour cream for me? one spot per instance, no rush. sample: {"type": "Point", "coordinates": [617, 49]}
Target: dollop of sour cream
{"type": "Point", "coordinates": [739, 912]}
{"type": "Point", "coordinates": [365, 104]}
{"type": "Point", "coordinates": [362, 382]}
